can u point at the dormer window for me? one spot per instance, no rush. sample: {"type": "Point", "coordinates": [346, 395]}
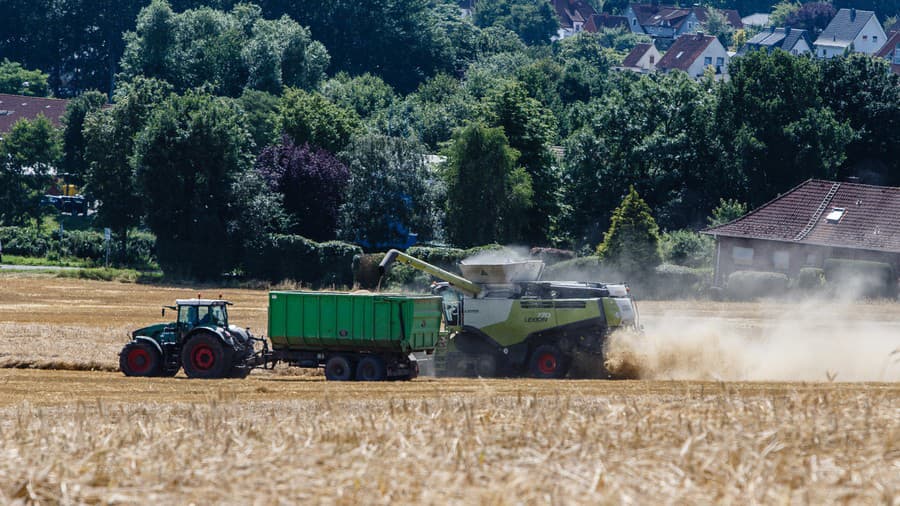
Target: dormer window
{"type": "Point", "coordinates": [835, 215]}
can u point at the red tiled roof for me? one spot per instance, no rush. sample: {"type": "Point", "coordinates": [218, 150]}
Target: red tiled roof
{"type": "Point", "coordinates": [731, 15]}
{"type": "Point", "coordinates": [570, 11]}
{"type": "Point", "coordinates": [871, 218]}
{"type": "Point", "coordinates": [16, 107]}
{"type": "Point", "coordinates": [887, 50]}
{"type": "Point", "coordinates": [635, 55]}
{"type": "Point", "coordinates": [684, 51]}
{"type": "Point", "coordinates": [600, 21]}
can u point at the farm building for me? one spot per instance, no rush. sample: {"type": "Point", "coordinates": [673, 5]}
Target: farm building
{"type": "Point", "coordinates": [813, 222]}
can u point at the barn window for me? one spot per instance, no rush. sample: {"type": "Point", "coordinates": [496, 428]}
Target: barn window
{"type": "Point", "coordinates": [835, 215]}
{"type": "Point", "coordinates": [781, 260]}
{"type": "Point", "coordinates": [742, 256]}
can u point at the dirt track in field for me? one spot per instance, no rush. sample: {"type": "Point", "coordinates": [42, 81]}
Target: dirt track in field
{"type": "Point", "coordinates": [98, 437]}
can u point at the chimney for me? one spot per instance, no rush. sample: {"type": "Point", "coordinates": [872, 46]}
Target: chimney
{"type": "Point", "coordinates": [772, 29]}
{"type": "Point", "coordinates": [853, 14]}
{"type": "Point", "coordinates": [787, 29]}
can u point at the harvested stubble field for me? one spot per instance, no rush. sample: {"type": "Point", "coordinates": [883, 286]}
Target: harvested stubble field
{"type": "Point", "coordinates": [98, 437]}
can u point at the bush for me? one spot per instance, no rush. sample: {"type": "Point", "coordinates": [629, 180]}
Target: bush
{"type": "Point", "coordinates": [809, 279]}
{"type": "Point", "coordinates": [678, 282]}
{"type": "Point", "coordinates": [283, 256]}
{"type": "Point", "coordinates": [748, 285]}
{"type": "Point", "coordinates": [860, 278]}
{"type": "Point", "coordinates": [579, 269]}
{"type": "Point", "coordinates": [551, 256]}
{"type": "Point", "coordinates": [688, 248]}
{"type": "Point", "coordinates": [24, 241]}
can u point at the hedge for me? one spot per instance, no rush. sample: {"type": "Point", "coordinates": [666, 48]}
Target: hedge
{"type": "Point", "coordinates": [84, 244]}
{"type": "Point", "coordinates": [809, 279]}
{"type": "Point", "coordinates": [748, 285]}
{"type": "Point", "coordinates": [860, 278]}
{"type": "Point", "coordinates": [285, 256]}
{"type": "Point", "coordinates": [679, 282]}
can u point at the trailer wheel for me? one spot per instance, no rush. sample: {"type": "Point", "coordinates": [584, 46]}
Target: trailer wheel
{"type": "Point", "coordinates": [547, 362]}
{"type": "Point", "coordinates": [338, 368]}
{"type": "Point", "coordinates": [371, 368]}
{"type": "Point", "coordinates": [139, 359]}
{"type": "Point", "coordinates": [205, 357]}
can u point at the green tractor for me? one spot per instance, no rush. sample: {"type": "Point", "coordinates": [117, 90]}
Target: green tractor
{"type": "Point", "coordinates": [504, 321]}
{"type": "Point", "coordinates": [201, 341]}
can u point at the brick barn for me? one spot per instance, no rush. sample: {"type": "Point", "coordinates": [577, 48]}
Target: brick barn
{"type": "Point", "coordinates": [813, 222]}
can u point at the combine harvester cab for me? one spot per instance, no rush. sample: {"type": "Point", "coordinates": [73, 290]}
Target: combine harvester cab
{"type": "Point", "coordinates": [505, 321]}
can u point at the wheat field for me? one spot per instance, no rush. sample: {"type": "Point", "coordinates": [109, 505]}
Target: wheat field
{"type": "Point", "coordinates": [95, 437]}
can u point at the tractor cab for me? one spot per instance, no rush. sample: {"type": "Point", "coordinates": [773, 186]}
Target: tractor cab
{"type": "Point", "coordinates": [194, 313]}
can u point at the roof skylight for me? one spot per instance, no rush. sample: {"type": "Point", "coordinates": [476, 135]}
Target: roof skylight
{"type": "Point", "coordinates": [835, 215]}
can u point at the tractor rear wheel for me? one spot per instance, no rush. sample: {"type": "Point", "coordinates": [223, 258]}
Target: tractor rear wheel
{"type": "Point", "coordinates": [338, 368]}
{"type": "Point", "coordinates": [371, 368]}
{"type": "Point", "coordinates": [548, 362]}
{"type": "Point", "coordinates": [205, 357]}
{"type": "Point", "coordinates": [139, 358]}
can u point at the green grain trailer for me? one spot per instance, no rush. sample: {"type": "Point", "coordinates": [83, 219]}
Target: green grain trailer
{"type": "Point", "coordinates": [367, 337]}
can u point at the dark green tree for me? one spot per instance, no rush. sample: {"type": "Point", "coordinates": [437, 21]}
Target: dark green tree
{"type": "Point", "coordinates": [392, 192]}
{"type": "Point", "coordinates": [728, 210]}
{"type": "Point", "coordinates": [17, 80]}
{"type": "Point", "coordinates": [109, 136]}
{"type": "Point", "coordinates": [310, 118]}
{"type": "Point", "coordinates": [400, 41]}
{"type": "Point", "coordinates": [488, 195]}
{"type": "Point", "coordinates": [533, 20]}
{"type": "Point", "coordinates": [79, 107]}
{"type": "Point", "coordinates": [189, 159]}
{"type": "Point", "coordinates": [631, 245]}
{"type": "Point", "coordinates": [774, 127]}
{"type": "Point", "coordinates": [365, 94]}
{"type": "Point", "coordinates": [28, 153]}
{"type": "Point", "coordinates": [227, 51]}
{"type": "Point", "coordinates": [861, 91]}
{"type": "Point", "coordinates": [262, 112]}
{"type": "Point", "coordinates": [529, 127]}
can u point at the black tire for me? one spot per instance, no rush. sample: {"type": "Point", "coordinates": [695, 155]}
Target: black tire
{"type": "Point", "coordinates": [239, 372]}
{"type": "Point", "coordinates": [338, 368]}
{"type": "Point", "coordinates": [371, 368]}
{"type": "Point", "coordinates": [138, 358]}
{"type": "Point", "coordinates": [548, 362]}
{"type": "Point", "coordinates": [205, 357]}
{"type": "Point", "coordinates": [485, 365]}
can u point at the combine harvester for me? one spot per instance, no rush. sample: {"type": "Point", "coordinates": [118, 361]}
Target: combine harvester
{"type": "Point", "coordinates": [497, 319]}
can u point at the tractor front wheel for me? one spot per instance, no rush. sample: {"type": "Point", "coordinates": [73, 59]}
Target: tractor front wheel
{"type": "Point", "coordinates": [205, 357]}
{"type": "Point", "coordinates": [140, 359]}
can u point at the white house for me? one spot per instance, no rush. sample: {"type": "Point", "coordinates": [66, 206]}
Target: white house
{"type": "Point", "coordinates": [850, 30]}
{"type": "Point", "coordinates": [643, 58]}
{"type": "Point", "coordinates": [694, 53]}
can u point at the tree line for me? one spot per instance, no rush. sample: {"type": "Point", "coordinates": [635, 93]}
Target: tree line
{"type": "Point", "coordinates": [230, 127]}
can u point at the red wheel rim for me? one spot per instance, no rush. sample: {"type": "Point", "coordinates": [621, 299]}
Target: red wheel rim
{"type": "Point", "coordinates": [547, 363]}
{"type": "Point", "coordinates": [203, 357]}
{"type": "Point", "coordinates": [138, 360]}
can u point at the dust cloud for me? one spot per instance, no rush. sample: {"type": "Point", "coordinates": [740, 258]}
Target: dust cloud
{"type": "Point", "coordinates": [763, 341]}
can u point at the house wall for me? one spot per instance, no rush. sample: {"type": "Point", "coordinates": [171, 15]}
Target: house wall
{"type": "Point", "coordinates": [690, 25]}
{"type": "Point", "coordinates": [870, 38]}
{"type": "Point", "coordinates": [801, 47]}
{"type": "Point", "coordinates": [645, 62]}
{"type": "Point", "coordinates": [715, 50]}
{"type": "Point", "coordinates": [785, 257]}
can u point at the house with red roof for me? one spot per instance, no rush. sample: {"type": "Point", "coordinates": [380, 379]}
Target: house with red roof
{"type": "Point", "coordinates": [604, 21]}
{"type": "Point", "coordinates": [891, 52]}
{"type": "Point", "coordinates": [813, 222]}
{"type": "Point", "coordinates": [694, 54]}
{"type": "Point", "coordinates": [572, 15]}
{"type": "Point", "coordinates": [643, 58]}
{"type": "Point", "coordinates": [668, 22]}
{"type": "Point", "coordinates": [16, 107]}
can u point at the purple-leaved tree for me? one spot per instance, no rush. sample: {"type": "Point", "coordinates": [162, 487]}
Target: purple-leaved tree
{"type": "Point", "coordinates": [312, 182]}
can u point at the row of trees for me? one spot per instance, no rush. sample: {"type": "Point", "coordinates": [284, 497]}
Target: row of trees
{"type": "Point", "coordinates": [210, 143]}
